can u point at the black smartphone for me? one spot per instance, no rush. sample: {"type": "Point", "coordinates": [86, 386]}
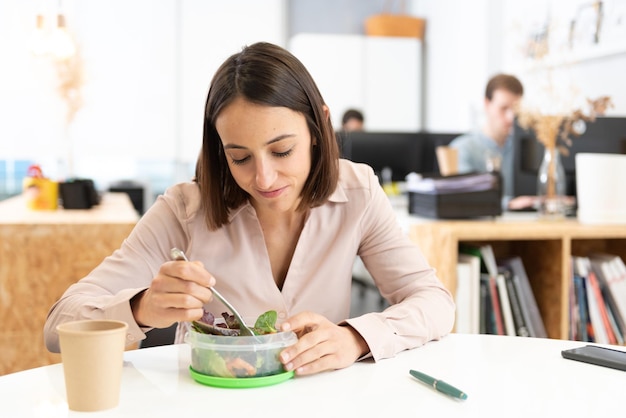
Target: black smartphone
{"type": "Point", "coordinates": [600, 356]}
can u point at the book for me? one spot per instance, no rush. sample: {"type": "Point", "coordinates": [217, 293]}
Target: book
{"type": "Point", "coordinates": [495, 305]}
{"type": "Point", "coordinates": [595, 303]}
{"type": "Point", "coordinates": [484, 255]}
{"type": "Point", "coordinates": [474, 290]}
{"type": "Point", "coordinates": [620, 276]}
{"type": "Point", "coordinates": [463, 298]}
{"type": "Point", "coordinates": [581, 303]}
{"type": "Point", "coordinates": [574, 318]}
{"type": "Point", "coordinates": [520, 326]}
{"type": "Point", "coordinates": [607, 268]}
{"type": "Point", "coordinates": [487, 305]}
{"type": "Point", "coordinates": [528, 303]}
{"type": "Point", "coordinates": [603, 308]}
{"type": "Point", "coordinates": [473, 251]}
{"type": "Point", "coordinates": [485, 309]}
{"type": "Point", "coordinates": [619, 335]}
{"type": "Point", "coordinates": [489, 260]}
{"type": "Point", "coordinates": [484, 300]}
{"type": "Point", "coordinates": [505, 306]}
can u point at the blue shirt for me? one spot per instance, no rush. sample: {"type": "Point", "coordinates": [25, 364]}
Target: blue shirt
{"type": "Point", "coordinates": [473, 148]}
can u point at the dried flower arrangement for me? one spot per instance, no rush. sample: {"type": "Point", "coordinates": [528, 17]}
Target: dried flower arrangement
{"type": "Point", "coordinates": [70, 75]}
{"type": "Point", "coordinates": [556, 130]}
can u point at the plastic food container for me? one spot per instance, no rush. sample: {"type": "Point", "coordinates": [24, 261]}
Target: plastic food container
{"type": "Point", "coordinates": [224, 361]}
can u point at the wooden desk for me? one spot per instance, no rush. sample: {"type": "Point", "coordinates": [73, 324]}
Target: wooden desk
{"type": "Point", "coordinates": [503, 377]}
{"type": "Point", "coordinates": [41, 254]}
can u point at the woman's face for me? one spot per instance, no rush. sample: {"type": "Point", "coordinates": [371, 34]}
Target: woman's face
{"type": "Point", "coordinates": [268, 150]}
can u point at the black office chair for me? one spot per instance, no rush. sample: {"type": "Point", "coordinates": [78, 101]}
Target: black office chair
{"type": "Point", "coordinates": [159, 336]}
{"type": "Point", "coordinates": [362, 280]}
{"type": "Point", "coordinates": [135, 192]}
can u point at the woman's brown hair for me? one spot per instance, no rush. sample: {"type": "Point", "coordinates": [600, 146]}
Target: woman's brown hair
{"type": "Point", "coordinates": [268, 75]}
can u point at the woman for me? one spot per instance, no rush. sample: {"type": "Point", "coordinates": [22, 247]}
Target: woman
{"type": "Point", "coordinates": [273, 220]}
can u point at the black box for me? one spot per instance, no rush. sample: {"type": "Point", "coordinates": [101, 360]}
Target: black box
{"type": "Point", "coordinates": [78, 194]}
{"type": "Point", "coordinates": [459, 204]}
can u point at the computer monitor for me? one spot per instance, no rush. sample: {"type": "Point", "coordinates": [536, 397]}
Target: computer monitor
{"type": "Point", "coordinates": [401, 152]}
{"type": "Point", "coordinates": [605, 135]}
{"type": "Point", "coordinates": [432, 140]}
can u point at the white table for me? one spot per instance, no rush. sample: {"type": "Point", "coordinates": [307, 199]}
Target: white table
{"type": "Point", "coordinates": [503, 376]}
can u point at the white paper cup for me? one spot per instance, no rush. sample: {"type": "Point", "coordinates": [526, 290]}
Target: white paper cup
{"type": "Point", "coordinates": [92, 352]}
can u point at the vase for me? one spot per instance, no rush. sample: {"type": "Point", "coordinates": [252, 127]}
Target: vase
{"type": "Point", "coordinates": [551, 184]}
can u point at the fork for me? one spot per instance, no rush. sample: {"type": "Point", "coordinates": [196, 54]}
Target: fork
{"type": "Point", "coordinates": [177, 254]}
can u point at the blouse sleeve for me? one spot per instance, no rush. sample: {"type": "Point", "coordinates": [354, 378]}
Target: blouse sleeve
{"type": "Point", "coordinates": [105, 293]}
{"type": "Point", "coordinates": [422, 309]}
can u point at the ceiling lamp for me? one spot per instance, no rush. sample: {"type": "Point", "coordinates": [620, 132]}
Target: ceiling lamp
{"type": "Point", "coordinates": [39, 39]}
{"type": "Point", "coordinates": [55, 42]}
{"type": "Point", "coordinates": [61, 44]}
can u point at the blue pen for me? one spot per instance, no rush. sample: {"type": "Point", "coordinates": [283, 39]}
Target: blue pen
{"type": "Point", "coordinates": [439, 385]}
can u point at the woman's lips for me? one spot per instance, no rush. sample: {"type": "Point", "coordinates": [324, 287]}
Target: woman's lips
{"type": "Point", "coordinates": [272, 193]}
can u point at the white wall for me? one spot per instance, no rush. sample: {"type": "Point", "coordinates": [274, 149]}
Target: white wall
{"type": "Point", "coordinates": [211, 31]}
{"type": "Point", "coordinates": [567, 76]}
{"type": "Point", "coordinates": [147, 67]}
{"type": "Point", "coordinates": [378, 75]}
{"type": "Point", "coordinates": [457, 62]}
{"type": "Point", "coordinates": [468, 41]}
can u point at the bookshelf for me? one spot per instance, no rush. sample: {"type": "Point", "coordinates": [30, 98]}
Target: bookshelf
{"type": "Point", "coordinates": [545, 247]}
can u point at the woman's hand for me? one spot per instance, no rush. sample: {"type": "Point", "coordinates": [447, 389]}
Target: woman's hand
{"type": "Point", "coordinates": [177, 293]}
{"type": "Point", "coordinates": [321, 345]}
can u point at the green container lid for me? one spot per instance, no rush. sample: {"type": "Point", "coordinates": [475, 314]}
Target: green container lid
{"type": "Point", "coordinates": [240, 382]}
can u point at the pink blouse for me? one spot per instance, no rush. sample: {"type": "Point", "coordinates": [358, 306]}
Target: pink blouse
{"type": "Point", "coordinates": [357, 220]}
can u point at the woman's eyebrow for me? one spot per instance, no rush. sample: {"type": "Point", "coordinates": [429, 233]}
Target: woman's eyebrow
{"type": "Point", "coordinates": [279, 138]}
{"type": "Point", "coordinates": [271, 141]}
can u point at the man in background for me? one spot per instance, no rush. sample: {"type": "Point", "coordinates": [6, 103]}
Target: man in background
{"type": "Point", "coordinates": [352, 120]}
{"type": "Point", "coordinates": [490, 148]}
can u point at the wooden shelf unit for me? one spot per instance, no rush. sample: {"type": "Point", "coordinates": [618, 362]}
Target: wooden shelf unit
{"type": "Point", "coordinates": [544, 246]}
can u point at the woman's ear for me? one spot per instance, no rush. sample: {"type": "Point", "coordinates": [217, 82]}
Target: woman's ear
{"type": "Point", "coordinates": [326, 112]}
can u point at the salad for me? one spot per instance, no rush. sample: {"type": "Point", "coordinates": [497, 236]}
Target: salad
{"type": "Point", "coordinates": [218, 349]}
{"type": "Point", "coordinates": [265, 324]}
